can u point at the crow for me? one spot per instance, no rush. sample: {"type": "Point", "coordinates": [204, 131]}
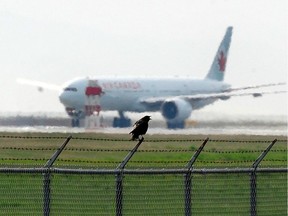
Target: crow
{"type": "Point", "coordinates": [140, 128]}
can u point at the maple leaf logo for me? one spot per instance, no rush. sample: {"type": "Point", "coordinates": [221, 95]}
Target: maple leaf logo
{"type": "Point", "coordinates": [222, 61]}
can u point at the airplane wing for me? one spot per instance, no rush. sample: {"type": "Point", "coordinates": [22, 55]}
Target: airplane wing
{"type": "Point", "coordinates": [255, 86]}
{"type": "Point", "coordinates": [225, 96]}
{"type": "Point", "coordinates": [155, 102]}
{"type": "Point", "coordinates": [40, 85]}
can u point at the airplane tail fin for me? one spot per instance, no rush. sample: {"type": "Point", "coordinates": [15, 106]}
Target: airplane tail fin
{"type": "Point", "coordinates": [217, 70]}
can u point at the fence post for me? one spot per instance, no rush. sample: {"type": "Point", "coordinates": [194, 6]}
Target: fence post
{"type": "Point", "coordinates": [46, 178]}
{"type": "Point", "coordinates": [188, 178]}
{"type": "Point", "coordinates": [253, 179]}
{"type": "Point", "coordinates": [119, 178]}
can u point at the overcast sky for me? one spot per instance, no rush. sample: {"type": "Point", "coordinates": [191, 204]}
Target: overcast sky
{"type": "Point", "coordinates": [55, 41]}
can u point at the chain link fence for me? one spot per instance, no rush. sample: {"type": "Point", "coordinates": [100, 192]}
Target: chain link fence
{"type": "Point", "coordinates": [131, 181]}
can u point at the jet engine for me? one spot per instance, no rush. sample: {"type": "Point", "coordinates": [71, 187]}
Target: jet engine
{"type": "Point", "coordinates": [175, 111]}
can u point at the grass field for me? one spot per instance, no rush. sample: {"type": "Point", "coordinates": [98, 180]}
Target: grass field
{"type": "Point", "coordinates": [108, 150]}
{"type": "Point", "coordinates": [71, 194]}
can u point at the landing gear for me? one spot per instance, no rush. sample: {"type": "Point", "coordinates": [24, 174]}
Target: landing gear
{"type": "Point", "coordinates": [176, 125]}
{"type": "Point", "coordinates": [122, 121]}
{"type": "Point", "coordinates": [75, 115]}
{"type": "Point", "coordinates": [75, 122]}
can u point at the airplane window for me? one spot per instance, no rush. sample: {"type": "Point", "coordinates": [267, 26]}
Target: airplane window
{"type": "Point", "coordinates": [70, 89]}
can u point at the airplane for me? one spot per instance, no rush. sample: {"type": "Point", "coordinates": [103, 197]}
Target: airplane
{"type": "Point", "coordinates": [175, 98]}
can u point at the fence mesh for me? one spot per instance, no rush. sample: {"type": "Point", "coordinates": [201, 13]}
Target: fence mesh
{"type": "Point", "coordinates": [272, 194]}
{"type": "Point", "coordinates": [21, 194]}
{"type": "Point", "coordinates": [143, 194]}
{"type": "Point", "coordinates": [89, 183]}
{"type": "Point", "coordinates": [221, 194]}
{"type": "Point", "coordinates": [82, 194]}
{"type": "Point", "coordinates": [153, 195]}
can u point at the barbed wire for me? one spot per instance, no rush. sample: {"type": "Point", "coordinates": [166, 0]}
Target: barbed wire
{"type": "Point", "coordinates": [148, 140]}
{"type": "Point", "coordinates": [191, 149]}
{"type": "Point", "coordinates": [148, 150]}
{"type": "Point", "coordinates": [141, 161]}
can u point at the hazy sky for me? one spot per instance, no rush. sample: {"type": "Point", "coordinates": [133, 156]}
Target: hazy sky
{"type": "Point", "coordinates": [55, 41]}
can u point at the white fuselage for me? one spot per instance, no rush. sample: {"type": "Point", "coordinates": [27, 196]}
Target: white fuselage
{"type": "Point", "coordinates": [126, 94]}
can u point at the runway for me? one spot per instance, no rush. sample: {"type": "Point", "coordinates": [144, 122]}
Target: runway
{"type": "Point", "coordinates": [211, 124]}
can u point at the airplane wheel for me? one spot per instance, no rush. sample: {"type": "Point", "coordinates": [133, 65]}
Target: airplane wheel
{"type": "Point", "coordinates": [121, 122]}
{"type": "Point", "coordinates": [178, 125]}
{"type": "Point", "coordinates": [116, 122]}
{"type": "Point", "coordinates": [75, 123]}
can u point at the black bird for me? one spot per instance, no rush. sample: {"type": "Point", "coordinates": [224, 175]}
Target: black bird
{"type": "Point", "coordinates": [141, 127]}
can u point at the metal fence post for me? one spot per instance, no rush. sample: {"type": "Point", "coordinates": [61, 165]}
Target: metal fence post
{"type": "Point", "coordinates": [188, 178]}
{"type": "Point", "coordinates": [253, 180]}
{"type": "Point", "coordinates": [119, 193]}
{"type": "Point", "coordinates": [46, 178]}
{"type": "Point", "coordinates": [119, 178]}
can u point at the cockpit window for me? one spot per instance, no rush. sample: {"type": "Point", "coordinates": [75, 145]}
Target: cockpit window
{"type": "Point", "coordinates": [70, 89]}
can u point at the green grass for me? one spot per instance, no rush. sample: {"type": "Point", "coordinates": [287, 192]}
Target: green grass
{"type": "Point", "coordinates": [108, 150]}
{"type": "Point", "coordinates": [21, 194]}
{"type": "Point", "coordinates": [212, 194]}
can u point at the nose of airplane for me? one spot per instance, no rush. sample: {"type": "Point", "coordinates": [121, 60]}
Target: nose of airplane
{"type": "Point", "coordinates": [63, 97]}
{"type": "Point", "coordinates": [69, 99]}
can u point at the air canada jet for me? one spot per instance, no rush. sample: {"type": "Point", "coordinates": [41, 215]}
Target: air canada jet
{"type": "Point", "coordinates": [175, 98]}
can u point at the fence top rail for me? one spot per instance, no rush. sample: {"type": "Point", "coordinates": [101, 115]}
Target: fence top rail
{"type": "Point", "coordinates": [141, 171]}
